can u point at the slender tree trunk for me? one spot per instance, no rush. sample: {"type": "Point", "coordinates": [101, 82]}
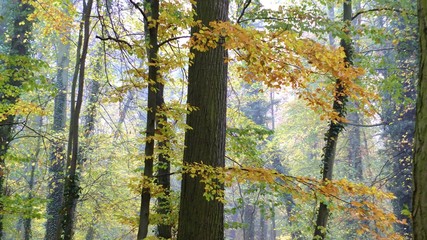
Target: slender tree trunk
{"type": "Point", "coordinates": [32, 182]}
{"type": "Point", "coordinates": [20, 47]}
{"type": "Point", "coordinates": [71, 187]}
{"type": "Point", "coordinates": [263, 225]}
{"type": "Point", "coordinates": [419, 211]}
{"type": "Point", "coordinates": [335, 128]}
{"type": "Point", "coordinates": [205, 143]}
{"type": "Point", "coordinates": [163, 172]}
{"type": "Point", "coordinates": [152, 6]}
{"type": "Point", "coordinates": [273, 222]}
{"type": "Point", "coordinates": [56, 165]}
{"type": "Point", "coordinates": [354, 146]}
{"type": "Point", "coordinates": [355, 149]}
{"type": "Point", "coordinates": [248, 220]}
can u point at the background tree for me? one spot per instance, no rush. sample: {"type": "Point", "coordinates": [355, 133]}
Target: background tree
{"type": "Point", "coordinates": [19, 52]}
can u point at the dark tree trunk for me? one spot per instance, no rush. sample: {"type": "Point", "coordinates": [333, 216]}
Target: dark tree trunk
{"type": "Point", "coordinates": [163, 172]}
{"type": "Point", "coordinates": [335, 128]}
{"type": "Point", "coordinates": [205, 143]}
{"type": "Point", "coordinates": [20, 46]}
{"type": "Point", "coordinates": [151, 36]}
{"type": "Point", "coordinates": [419, 211]}
{"type": "Point", "coordinates": [56, 165]}
{"type": "Point", "coordinates": [71, 186]}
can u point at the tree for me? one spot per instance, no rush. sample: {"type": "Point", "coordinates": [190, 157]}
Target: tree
{"type": "Point", "coordinates": [56, 166]}
{"type": "Point", "coordinates": [419, 211]}
{"type": "Point", "coordinates": [152, 6]}
{"type": "Point", "coordinates": [205, 142]}
{"type": "Point", "coordinates": [20, 48]}
{"type": "Point", "coordinates": [71, 186]}
{"type": "Point", "coordinates": [335, 127]}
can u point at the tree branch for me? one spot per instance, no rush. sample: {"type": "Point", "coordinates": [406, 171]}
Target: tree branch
{"type": "Point", "coordinates": [363, 125]}
{"type": "Point", "coordinates": [114, 39]}
{"type": "Point", "coordinates": [139, 9]}
{"type": "Point", "coordinates": [172, 39]}
{"type": "Point", "coordinates": [247, 3]}
{"type": "Point", "coordinates": [376, 10]}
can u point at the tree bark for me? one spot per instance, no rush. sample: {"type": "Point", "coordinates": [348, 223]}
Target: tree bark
{"type": "Point", "coordinates": [152, 51]}
{"type": "Point", "coordinates": [419, 211]}
{"type": "Point", "coordinates": [163, 172]}
{"type": "Point", "coordinates": [205, 143]}
{"type": "Point", "coordinates": [20, 47]}
{"type": "Point", "coordinates": [333, 132]}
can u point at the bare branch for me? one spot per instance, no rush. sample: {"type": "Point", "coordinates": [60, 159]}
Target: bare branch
{"type": "Point", "coordinates": [377, 10]}
{"type": "Point", "coordinates": [247, 3]}
{"type": "Point", "coordinates": [139, 9]}
{"type": "Point", "coordinates": [115, 40]}
{"type": "Point", "coordinates": [363, 125]}
{"type": "Point", "coordinates": [172, 39]}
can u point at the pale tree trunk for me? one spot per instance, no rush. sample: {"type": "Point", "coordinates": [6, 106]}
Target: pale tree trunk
{"type": "Point", "coordinates": [248, 220]}
{"type": "Point", "coordinates": [151, 36]}
{"type": "Point", "coordinates": [263, 224]}
{"type": "Point", "coordinates": [71, 186]}
{"type": "Point", "coordinates": [354, 136]}
{"type": "Point", "coordinates": [419, 211]}
{"type": "Point", "coordinates": [207, 90]}
{"type": "Point", "coordinates": [333, 132]}
{"type": "Point", "coordinates": [32, 182]}
{"type": "Point", "coordinates": [56, 165]}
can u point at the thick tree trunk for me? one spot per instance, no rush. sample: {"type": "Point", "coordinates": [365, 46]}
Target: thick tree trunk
{"type": "Point", "coordinates": [56, 165]}
{"type": "Point", "coordinates": [331, 136]}
{"type": "Point", "coordinates": [71, 186]}
{"type": "Point", "coordinates": [419, 211]}
{"type": "Point", "coordinates": [152, 50]}
{"type": "Point", "coordinates": [205, 143]}
{"type": "Point", "coordinates": [20, 46]}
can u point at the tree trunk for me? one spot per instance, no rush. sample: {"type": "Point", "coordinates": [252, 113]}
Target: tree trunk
{"type": "Point", "coordinates": [400, 131]}
{"type": "Point", "coordinates": [205, 143]}
{"type": "Point", "coordinates": [32, 181]}
{"type": "Point", "coordinates": [263, 224]}
{"type": "Point", "coordinates": [163, 172]}
{"type": "Point", "coordinates": [20, 46]}
{"type": "Point", "coordinates": [152, 6]}
{"type": "Point", "coordinates": [71, 187]}
{"type": "Point", "coordinates": [355, 149]}
{"type": "Point", "coordinates": [335, 128]}
{"type": "Point", "coordinates": [56, 165]}
{"type": "Point", "coordinates": [419, 211]}
{"type": "Point", "coordinates": [249, 221]}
